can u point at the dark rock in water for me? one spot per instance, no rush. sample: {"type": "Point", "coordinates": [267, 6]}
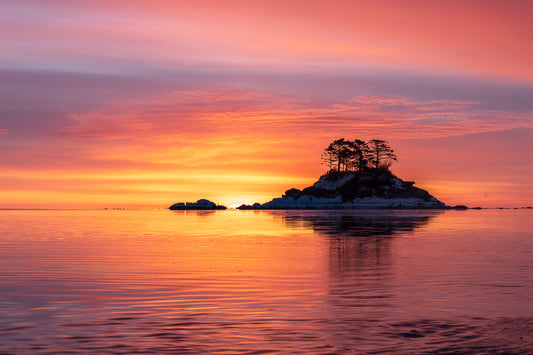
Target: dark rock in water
{"type": "Point", "coordinates": [255, 206]}
{"type": "Point", "coordinates": [372, 189]}
{"type": "Point", "coordinates": [201, 204]}
{"type": "Point", "coordinates": [460, 207]}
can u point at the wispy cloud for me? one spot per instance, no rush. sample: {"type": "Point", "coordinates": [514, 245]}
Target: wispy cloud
{"type": "Point", "coordinates": [243, 132]}
{"type": "Point", "coordinates": [256, 115]}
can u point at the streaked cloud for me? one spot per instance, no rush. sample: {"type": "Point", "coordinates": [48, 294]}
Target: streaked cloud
{"type": "Point", "coordinates": [237, 114]}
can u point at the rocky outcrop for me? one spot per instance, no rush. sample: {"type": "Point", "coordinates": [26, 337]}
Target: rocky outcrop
{"type": "Point", "coordinates": [201, 204]}
{"type": "Point", "coordinates": [374, 189]}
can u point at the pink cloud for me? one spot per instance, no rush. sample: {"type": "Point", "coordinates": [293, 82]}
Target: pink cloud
{"type": "Point", "coordinates": [243, 132]}
{"type": "Point", "coordinates": [242, 114]}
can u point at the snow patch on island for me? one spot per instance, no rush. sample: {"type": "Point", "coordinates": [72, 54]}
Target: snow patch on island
{"type": "Point", "coordinates": [326, 183]}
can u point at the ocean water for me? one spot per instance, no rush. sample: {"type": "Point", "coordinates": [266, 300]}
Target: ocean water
{"type": "Point", "coordinates": [313, 282]}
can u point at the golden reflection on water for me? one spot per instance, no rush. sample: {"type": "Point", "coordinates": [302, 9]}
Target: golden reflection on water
{"type": "Point", "coordinates": [241, 281]}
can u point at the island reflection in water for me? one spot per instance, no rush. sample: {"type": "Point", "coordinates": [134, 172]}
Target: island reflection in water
{"type": "Point", "coordinates": [377, 223]}
{"type": "Point", "coordinates": [273, 281]}
{"type": "Point", "coordinates": [360, 241]}
{"type": "Point", "coordinates": [361, 266]}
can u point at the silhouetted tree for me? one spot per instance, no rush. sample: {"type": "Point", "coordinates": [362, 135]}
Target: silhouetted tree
{"type": "Point", "coordinates": [380, 153]}
{"type": "Point", "coordinates": [338, 154]}
{"type": "Point", "coordinates": [329, 160]}
{"type": "Point", "coordinates": [343, 155]}
{"type": "Point", "coordinates": [360, 155]}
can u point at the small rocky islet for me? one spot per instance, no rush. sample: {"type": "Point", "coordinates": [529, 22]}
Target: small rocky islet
{"type": "Point", "coordinates": [201, 204]}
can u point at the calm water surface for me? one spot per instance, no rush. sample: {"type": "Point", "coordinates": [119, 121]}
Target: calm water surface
{"type": "Point", "coordinates": [266, 282]}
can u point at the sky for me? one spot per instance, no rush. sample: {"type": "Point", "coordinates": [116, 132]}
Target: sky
{"type": "Point", "coordinates": [135, 103]}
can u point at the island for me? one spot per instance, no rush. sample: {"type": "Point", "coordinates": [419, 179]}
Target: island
{"type": "Point", "coordinates": [358, 178]}
{"type": "Point", "coordinates": [374, 189]}
{"type": "Point", "coordinates": [201, 204]}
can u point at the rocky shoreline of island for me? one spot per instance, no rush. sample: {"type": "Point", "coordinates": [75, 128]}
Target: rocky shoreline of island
{"type": "Point", "coordinates": [372, 189]}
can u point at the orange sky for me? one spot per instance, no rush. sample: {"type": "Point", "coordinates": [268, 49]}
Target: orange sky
{"type": "Point", "coordinates": [146, 103]}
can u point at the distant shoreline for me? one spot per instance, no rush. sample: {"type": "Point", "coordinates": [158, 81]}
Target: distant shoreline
{"type": "Point", "coordinates": [236, 209]}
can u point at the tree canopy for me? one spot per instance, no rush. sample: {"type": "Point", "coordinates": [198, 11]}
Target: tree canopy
{"type": "Point", "coordinates": [344, 155]}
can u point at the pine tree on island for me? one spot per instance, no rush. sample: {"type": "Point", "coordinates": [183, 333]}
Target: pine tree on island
{"type": "Point", "coordinates": [343, 155]}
